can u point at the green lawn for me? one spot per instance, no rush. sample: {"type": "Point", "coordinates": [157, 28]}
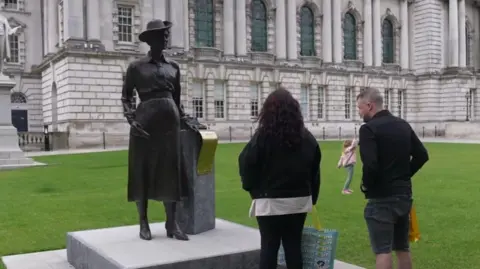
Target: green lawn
{"type": "Point", "coordinates": [38, 206]}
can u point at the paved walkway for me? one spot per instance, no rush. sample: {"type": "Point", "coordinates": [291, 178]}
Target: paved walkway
{"type": "Point", "coordinates": [91, 150]}
{"type": "Point", "coordinates": [57, 259]}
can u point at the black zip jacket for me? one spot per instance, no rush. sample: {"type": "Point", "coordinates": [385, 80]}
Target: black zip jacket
{"type": "Point", "coordinates": [391, 154]}
{"type": "Point", "coordinates": [268, 171]}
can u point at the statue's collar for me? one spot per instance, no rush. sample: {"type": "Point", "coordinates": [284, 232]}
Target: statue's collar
{"type": "Point", "coordinates": [162, 59]}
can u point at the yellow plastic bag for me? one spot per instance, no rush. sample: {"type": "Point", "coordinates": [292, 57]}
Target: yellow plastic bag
{"type": "Point", "coordinates": [316, 219]}
{"type": "Point", "coordinates": [414, 234]}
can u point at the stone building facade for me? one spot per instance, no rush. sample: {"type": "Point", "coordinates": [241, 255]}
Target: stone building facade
{"type": "Point", "coordinates": [422, 54]}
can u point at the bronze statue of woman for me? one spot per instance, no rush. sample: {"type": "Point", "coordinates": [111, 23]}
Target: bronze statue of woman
{"type": "Point", "coordinates": [155, 157]}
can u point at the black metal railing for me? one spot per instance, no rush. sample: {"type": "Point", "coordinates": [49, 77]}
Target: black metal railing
{"type": "Point", "coordinates": [38, 141]}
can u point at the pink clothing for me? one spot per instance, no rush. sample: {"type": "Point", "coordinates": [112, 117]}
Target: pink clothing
{"type": "Point", "coordinates": [349, 156]}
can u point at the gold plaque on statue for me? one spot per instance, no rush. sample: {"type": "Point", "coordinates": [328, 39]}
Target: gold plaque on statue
{"type": "Point", "coordinates": [206, 158]}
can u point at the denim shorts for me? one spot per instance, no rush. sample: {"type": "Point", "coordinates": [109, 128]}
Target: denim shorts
{"type": "Point", "coordinates": [388, 223]}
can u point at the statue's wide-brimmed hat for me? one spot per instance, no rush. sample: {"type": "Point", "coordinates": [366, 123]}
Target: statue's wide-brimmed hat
{"type": "Point", "coordinates": [153, 27]}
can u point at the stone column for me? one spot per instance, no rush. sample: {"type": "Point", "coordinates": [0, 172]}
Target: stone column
{"type": "Point", "coordinates": [280, 30]}
{"type": "Point", "coordinates": [186, 26]}
{"type": "Point", "coordinates": [52, 21]}
{"type": "Point", "coordinates": [228, 28]}
{"type": "Point", "coordinates": [461, 34]}
{"type": "Point", "coordinates": [176, 17]}
{"type": "Point", "coordinates": [377, 34]}
{"type": "Point", "coordinates": [241, 31]}
{"type": "Point", "coordinates": [453, 32]}
{"type": "Point", "coordinates": [337, 32]}
{"type": "Point", "coordinates": [11, 156]}
{"type": "Point", "coordinates": [208, 100]}
{"type": "Point", "coordinates": [292, 29]}
{"type": "Point", "coordinates": [327, 31]}
{"type": "Point", "coordinates": [93, 20]}
{"type": "Point", "coordinates": [73, 20]}
{"type": "Point", "coordinates": [367, 38]}
{"type": "Point", "coordinates": [404, 47]}
{"type": "Point", "coordinates": [159, 10]}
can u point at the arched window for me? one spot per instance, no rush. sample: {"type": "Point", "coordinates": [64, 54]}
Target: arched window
{"type": "Point", "coordinates": [388, 41]}
{"type": "Point", "coordinates": [204, 23]}
{"type": "Point", "coordinates": [18, 98]}
{"type": "Point", "coordinates": [259, 26]}
{"type": "Point", "coordinates": [307, 32]}
{"type": "Point", "coordinates": [349, 37]}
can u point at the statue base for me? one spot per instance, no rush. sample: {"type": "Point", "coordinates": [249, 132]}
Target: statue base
{"type": "Point", "coordinates": [229, 246]}
{"type": "Point", "coordinates": [11, 156]}
{"type": "Point", "coordinates": [197, 213]}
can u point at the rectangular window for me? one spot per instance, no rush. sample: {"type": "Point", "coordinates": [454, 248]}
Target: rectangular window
{"type": "Point", "coordinates": [219, 100]}
{"type": "Point", "coordinates": [11, 4]}
{"type": "Point", "coordinates": [304, 100]}
{"type": "Point", "coordinates": [386, 98]}
{"type": "Point", "coordinates": [197, 100]}
{"type": "Point", "coordinates": [471, 96]}
{"type": "Point", "coordinates": [348, 102]}
{"type": "Point", "coordinates": [254, 100]}
{"type": "Point", "coordinates": [401, 103]}
{"type": "Point", "coordinates": [321, 102]}
{"type": "Point", "coordinates": [125, 24]}
{"type": "Point", "coordinates": [14, 51]}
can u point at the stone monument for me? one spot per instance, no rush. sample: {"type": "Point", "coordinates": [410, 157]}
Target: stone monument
{"type": "Point", "coordinates": [11, 156]}
{"type": "Point", "coordinates": [171, 159]}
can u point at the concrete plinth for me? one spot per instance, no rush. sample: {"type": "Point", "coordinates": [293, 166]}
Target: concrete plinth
{"type": "Point", "coordinates": [230, 245]}
{"type": "Point", "coordinates": [197, 213]}
{"type": "Point", "coordinates": [57, 259]}
{"type": "Point", "coordinates": [11, 156]}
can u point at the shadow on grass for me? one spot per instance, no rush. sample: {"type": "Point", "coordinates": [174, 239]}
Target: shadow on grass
{"type": "Point", "coordinates": [106, 166]}
{"type": "Point", "coordinates": [46, 189]}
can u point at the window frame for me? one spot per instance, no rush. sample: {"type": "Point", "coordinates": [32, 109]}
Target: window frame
{"type": "Point", "coordinates": [388, 50]}
{"type": "Point", "coordinates": [311, 47]}
{"type": "Point", "coordinates": [353, 54]}
{"type": "Point", "coordinates": [255, 28]}
{"type": "Point", "coordinates": [211, 36]}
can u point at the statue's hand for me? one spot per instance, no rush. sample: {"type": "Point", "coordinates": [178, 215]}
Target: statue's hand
{"type": "Point", "coordinates": [130, 116]}
{"type": "Point", "coordinates": [139, 129]}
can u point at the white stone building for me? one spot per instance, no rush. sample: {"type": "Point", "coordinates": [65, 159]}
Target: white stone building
{"type": "Point", "coordinates": [70, 58]}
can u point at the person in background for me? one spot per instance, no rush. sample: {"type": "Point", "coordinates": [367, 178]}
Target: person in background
{"type": "Point", "coordinates": [348, 159]}
{"type": "Point", "coordinates": [391, 154]}
{"type": "Point", "coordinates": [280, 168]}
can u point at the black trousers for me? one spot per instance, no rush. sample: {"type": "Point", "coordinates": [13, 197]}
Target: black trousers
{"type": "Point", "coordinates": [286, 229]}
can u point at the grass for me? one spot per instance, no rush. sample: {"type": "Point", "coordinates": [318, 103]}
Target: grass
{"type": "Point", "coordinates": [38, 206]}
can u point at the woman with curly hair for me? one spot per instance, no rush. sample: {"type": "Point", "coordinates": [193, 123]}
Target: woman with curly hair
{"type": "Point", "coordinates": [280, 168]}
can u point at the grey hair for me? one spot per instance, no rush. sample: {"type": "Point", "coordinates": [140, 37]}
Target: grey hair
{"type": "Point", "coordinates": [371, 95]}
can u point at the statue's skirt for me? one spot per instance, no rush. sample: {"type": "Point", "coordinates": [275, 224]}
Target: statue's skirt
{"type": "Point", "coordinates": [154, 164]}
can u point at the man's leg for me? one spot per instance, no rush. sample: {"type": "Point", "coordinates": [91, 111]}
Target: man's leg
{"type": "Point", "coordinates": [380, 224]}
{"type": "Point", "coordinates": [401, 243]}
{"type": "Point", "coordinates": [270, 236]}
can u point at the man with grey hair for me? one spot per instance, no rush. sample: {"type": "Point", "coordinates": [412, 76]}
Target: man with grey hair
{"type": "Point", "coordinates": [391, 154]}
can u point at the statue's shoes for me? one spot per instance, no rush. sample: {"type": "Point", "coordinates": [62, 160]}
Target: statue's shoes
{"type": "Point", "coordinates": [179, 235]}
{"type": "Point", "coordinates": [145, 233]}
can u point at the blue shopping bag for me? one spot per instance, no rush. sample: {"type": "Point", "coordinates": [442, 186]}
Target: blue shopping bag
{"type": "Point", "coordinates": [318, 246]}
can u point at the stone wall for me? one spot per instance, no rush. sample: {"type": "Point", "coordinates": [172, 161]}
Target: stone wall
{"type": "Point", "coordinates": [83, 94]}
{"type": "Point", "coordinates": [30, 86]}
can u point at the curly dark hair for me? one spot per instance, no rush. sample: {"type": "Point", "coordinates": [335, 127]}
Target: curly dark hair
{"type": "Point", "coordinates": [280, 120]}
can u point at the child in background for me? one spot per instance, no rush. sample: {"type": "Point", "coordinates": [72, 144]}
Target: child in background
{"type": "Point", "coordinates": [348, 159]}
